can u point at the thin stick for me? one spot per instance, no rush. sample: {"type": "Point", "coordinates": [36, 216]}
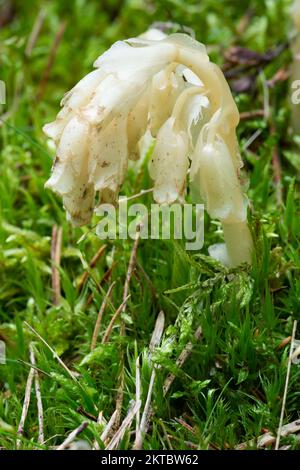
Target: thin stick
{"type": "Point", "coordinates": [73, 436]}
{"type": "Point", "coordinates": [92, 264]}
{"type": "Point", "coordinates": [124, 426]}
{"type": "Point", "coordinates": [137, 393]}
{"type": "Point", "coordinates": [53, 352]}
{"type": "Point", "coordinates": [25, 405]}
{"type": "Point", "coordinates": [113, 320]}
{"type": "Point", "coordinates": [266, 440]}
{"type": "Point", "coordinates": [38, 398]}
{"type": "Point", "coordinates": [252, 114]}
{"type": "Point", "coordinates": [35, 32]}
{"type": "Point", "coordinates": [108, 427]}
{"type": "Point", "coordinates": [52, 55]}
{"type": "Point", "coordinates": [100, 315]}
{"type": "Point", "coordinates": [131, 267]}
{"type": "Point", "coordinates": [154, 342]}
{"type": "Point", "coordinates": [135, 196]}
{"type": "Point", "coordinates": [288, 371]}
{"type": "Point", "coordinates": [181, 360]}
{"type": "Point", "coordinates": [55, 261]}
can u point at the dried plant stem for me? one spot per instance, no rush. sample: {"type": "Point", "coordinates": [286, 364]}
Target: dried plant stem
{"type": "Point", "coordinates": [92, 264]}
{"type": "Point", "coordinates": [35, 32]}
{"type": "Point", "coordinates": [146, 414]}
{"type": "Point", "coordinates": [100, 315]}
{"type": "Point", "coordinates": [55, 261]}
{"type": "Point", "coordinates": [108, 427]}
{"type": "Point", "coordinates": [51, 59]}
{"type": "Point", "coordinates": [38, 398]}
{"type": "Point", "coordinates": [118, 436]}
{"type": "Point", "coordinates": [113, 320]}
{"type": "Point", "coordinates": [288, 371]}
{"type": "Point", "coordinates": [137, 393]}
{"type": "Point", "coordinates": [25, 405]}
{"type": "Point", "coordinates": [130, 270]}
{"type": "Point", "coordinates": [266, 440]}
{"type": "Point", "coordinates": [154, 342]}
{"type": "Point", "coordinates": [53, 352]}
{"type": "Point", "coordinates": [131, 267]}
{"type": "Point", "coordinates": [72, 436]}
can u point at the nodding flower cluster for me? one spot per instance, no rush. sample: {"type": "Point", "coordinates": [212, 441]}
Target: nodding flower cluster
{"type": "Point", "coordinates": [165, 85]}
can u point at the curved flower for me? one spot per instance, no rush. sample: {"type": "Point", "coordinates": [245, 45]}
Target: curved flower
{"type": "Point", "coordinates": [168, 87]}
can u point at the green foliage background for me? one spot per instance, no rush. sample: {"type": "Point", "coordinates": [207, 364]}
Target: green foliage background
{"type": "Point", "coordinates": [231, 386]}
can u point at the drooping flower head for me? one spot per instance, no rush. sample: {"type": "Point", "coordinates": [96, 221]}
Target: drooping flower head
{"type": "Point", "coordinates": [161, 84]}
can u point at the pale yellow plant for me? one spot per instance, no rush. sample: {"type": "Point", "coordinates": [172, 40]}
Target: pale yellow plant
{"type": "Point", "coordinates": [165, 85]}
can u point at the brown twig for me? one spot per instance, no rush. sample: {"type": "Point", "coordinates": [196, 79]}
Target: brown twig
{"type": "Point", "coordinates": [25, 405]}
{"type": "Point", "coordinates": [85, 413]}
{"type": "Point", "coordinates": [246, 59]}
{"type": "Point", "coordinates": [277, 172]}
{"type": "Point", "coordinates": [92, 264]}
{"type": "Point", "coordinates": [131, 267]}
{"type": "Point", "coordinates": [181, 360]}
{"type": "Point", "coordinates": [252, 114]}
{"type": "Point", "coordinates": [55, 262]}
{"type": "Point", "coordinates": [105, 278]}
{"type": "Point", "coordinates": [113, 320]}
{"type": "Point", "coordinates": [41, 437]}
{"type": "Point", "coordinates": [100, 315]}
{"type": "Point", "coordinates": [73, 436]}
{"type": "Point", "coordinates": [288, 371]}
{"type": "Point", "coordinates": [51, 59]}
{"type": "Point", "coordinates": [35, 32]}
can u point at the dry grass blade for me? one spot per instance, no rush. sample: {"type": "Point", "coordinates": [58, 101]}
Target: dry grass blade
{"type": "Point", "coordinates": [51, 59]}
{"type": "Point", "coordinates": [268, 439]}
{"type": "Point", "coordinates": [130, 270]}
{"type": "Point", "coordinates": [118, 436]}
{"type": "Point", "coordinates": [92, 264]}
{"type": "Point", "coordinates": [38, 398]}
{"type": "Point", "coordinates": [73, 436]}
{"type": "Point", "coordinates": [288, 371]}
{"type": "Point", "coordinates": [157, 332]}
{"type": "Point", "coordinates": [137, 392]}
{"type": "Point", "coordinates": [55, 355]}
{"type": "Point", "coordinates": [154, 342]}
{"type": "Point", "coordinates": [100, 315]}
{"type": "Point", "coordinates": [25, 405]}
{"type": "Point", "coordinates": [113, 320]}
{"type": "Point", "coordinates": [181, 360]}
{"type": "Point", "coordinates": [55, 262]}
{"type": "Point", "coordinates": [35, 32]}
{"type": "Point", "coordinates": [109, 427]}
